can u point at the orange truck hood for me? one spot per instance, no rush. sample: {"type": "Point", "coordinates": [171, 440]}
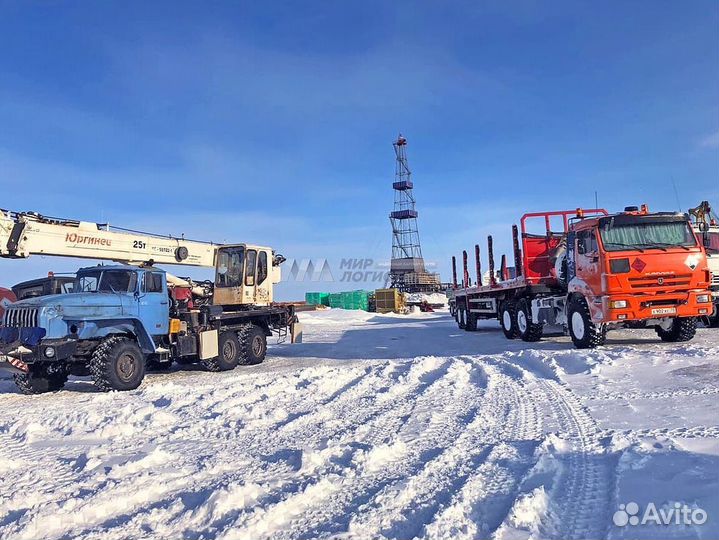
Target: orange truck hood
{"type": "Point", "coordinates": [657, 272]}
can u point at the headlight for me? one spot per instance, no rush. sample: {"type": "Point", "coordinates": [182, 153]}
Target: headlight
{"type": "Point", "coordinates": [53, 311]}
{"type": "Point", "coordinates": [618, 304]}
{"type": "Point", "coordinates": [50, 352]}
{"type": "Point", "coordinates": [703, 298]}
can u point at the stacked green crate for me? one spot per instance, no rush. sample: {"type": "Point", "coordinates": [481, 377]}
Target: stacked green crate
{"type": "Point", "coordinates": [349, 300]}
{"type": "Point", "coordinates": [361, 300]}
{"type": "Point", "coordinates": [318, 298]}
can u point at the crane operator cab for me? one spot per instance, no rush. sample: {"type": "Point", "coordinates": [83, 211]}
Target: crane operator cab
{"type": "Point", "coordinates": [245, 274]}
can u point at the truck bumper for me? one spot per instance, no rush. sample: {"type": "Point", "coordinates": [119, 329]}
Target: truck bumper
{"type": "Point", "coordinates": [18, 355]}
{"type": "Point", "coordinates": [13, 365]}
{"type": "Point", "coordinates": [640, 308]}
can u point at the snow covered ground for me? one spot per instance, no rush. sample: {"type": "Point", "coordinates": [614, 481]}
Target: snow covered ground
{"type": "Point", "coordinates": [377, 427]}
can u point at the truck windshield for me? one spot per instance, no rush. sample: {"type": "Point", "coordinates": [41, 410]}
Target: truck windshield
{"type": "Point", "coordinates": [106, 281]}
{"type": "Point", "coordinates": [641, 236]}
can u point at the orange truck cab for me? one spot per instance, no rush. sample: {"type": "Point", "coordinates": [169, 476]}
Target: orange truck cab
{"type": "Point", "coordinates": [635, 267]}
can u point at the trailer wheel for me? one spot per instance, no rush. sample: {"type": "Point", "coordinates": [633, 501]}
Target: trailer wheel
{"type": "Point", "coordinates": [229, 348]}
{"type": "Point", "coordinates": [585, 333]}
{"type": "Point", "coordinates": [117, 364]}
{"type": "Point", "coordinates": [461, 318]}
{"type": "Point", "coordinates": [253, 345]}
{"type": "Point", "coordinates": [471, 322]}
{"type": "Point", "coordinates": [39, 380]}
{"type": "Point", "coordinates": [677, 329]}
{"type": "Point", "coordinates": [508, 318]}
{"type": "Point", "coordinates": [527, 330]}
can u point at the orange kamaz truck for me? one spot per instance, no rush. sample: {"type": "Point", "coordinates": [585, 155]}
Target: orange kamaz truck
{"type": "Point", "coordinates": [587, 272]}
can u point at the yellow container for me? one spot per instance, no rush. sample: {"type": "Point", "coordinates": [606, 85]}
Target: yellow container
{"type": "Point", "coordinates": [388, 300]}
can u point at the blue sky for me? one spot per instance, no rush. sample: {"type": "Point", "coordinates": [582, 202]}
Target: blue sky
{"type": "Point", "coordinates": [272, 122]}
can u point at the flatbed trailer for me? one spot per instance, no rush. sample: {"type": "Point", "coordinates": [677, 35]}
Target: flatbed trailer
{"type": "Point", "coordinates": [573, 279]}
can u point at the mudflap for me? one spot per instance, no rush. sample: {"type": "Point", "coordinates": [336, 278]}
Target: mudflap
{"type": "Point", "coordinates": [296, 332]}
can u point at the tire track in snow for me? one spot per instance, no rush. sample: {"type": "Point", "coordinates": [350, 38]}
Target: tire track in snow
{"type": "Point", "coordinates": [427, 423]}
{"type": "Point", "coordinates": [281, 483]}
{"type": "Point", "coordinates": [579, 496]}
{"type": "Point", "coordinates": [403, 511]}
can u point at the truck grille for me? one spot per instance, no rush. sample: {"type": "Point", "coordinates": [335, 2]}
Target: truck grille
{"type": "Point", "coordinates": [661, 283]}
{"type": "Point", "coordinates": [20, 317]}
{"type": "Point", "coordinates": [715, 280]}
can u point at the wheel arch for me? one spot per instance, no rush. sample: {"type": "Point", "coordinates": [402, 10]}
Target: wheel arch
{"type": "Point", "coordinates": [129, 327]}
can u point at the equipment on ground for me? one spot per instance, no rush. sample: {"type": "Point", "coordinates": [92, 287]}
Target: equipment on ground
{"type": "Point", "coordinates": [122, 318]}
{"type": "Point", "coordinates": [706, 226]}
{"type": "Point", "coordinates": [389, 301]}
{"type": "Point", "coordinates": [593, 272]}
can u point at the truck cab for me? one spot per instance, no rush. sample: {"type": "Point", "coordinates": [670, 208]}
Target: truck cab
{"type": "Point", "coordinates": [48, 337]}
{"type": "Point", "coordinates": [105, 300]}
{"type": "Point", "coordinates": [637, 266]}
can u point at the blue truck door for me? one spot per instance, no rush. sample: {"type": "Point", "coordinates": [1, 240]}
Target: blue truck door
{"type": "Point", "coordinates": [153, 303]}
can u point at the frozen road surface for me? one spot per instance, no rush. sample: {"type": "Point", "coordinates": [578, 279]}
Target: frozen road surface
{"type": "Point", "coordinates": [379, 427]}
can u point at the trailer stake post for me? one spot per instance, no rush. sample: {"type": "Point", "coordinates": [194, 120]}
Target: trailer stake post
{"type": "Point", "coordinates": [517, 252]}
{"type": "Point", "coordinates": [464, 267]}
{"type": "Point", "coordinates": [454, 271]}
{"type": "Point", "coordinates": [490, 254]}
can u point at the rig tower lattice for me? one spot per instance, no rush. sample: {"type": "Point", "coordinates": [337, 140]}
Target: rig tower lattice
{"type": "Point", "coordinates": [407, 269]}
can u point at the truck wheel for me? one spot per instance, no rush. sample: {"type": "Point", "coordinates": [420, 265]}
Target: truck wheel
{"type": "Point", "coordinates": [229, 348]}
{"type": "Point", "coordinates": [117, 364]}
{"type": "Point", "coordinates": [508, 318]}
{"type": "Point", "coordinates": [713, 319]}
{"type": "Point", "coordinates": [526, 329]}
{"type": "Point", "coordinates": [39, 381]}
{"type": "Point", "coordinates": [585, 333]}
{"type": "Point", "coordinates": [253, 345]}
{"type": "Point", "coordinates": [471, 323]}
{"type": "Point", "coordinates": [678, 329]}
{"type": "Point", "coordinates": [461, 319]}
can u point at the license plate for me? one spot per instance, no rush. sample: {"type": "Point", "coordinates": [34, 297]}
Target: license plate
{"type": "Point", "coordinates": [664, 310]}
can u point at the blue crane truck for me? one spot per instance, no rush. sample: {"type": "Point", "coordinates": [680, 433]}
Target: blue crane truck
{"type": "Point", "coordinates": [121, 320]}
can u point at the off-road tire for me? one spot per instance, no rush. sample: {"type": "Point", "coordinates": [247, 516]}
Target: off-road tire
{"type": "Point", "coordinates": [471, 323]}
{"type": "Point", "coordinates": [253, 345]}
{"type": "Point", "coordinates": [682, 329]}
{"type": "Point", "coordinates": [117, 364]}
{"type": "Point", "coordinates": [526, 329]}
{"type": "Point", "coordinates": [713, 319]}
{"type": "Point", "coordinates": [585, 333]}
{"type": "Point", "coordinates": [230, 349]}
{"type": "Point", "coordinates": [508, 316]}
{"type": "Point", "coordinates": [39, 381]}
